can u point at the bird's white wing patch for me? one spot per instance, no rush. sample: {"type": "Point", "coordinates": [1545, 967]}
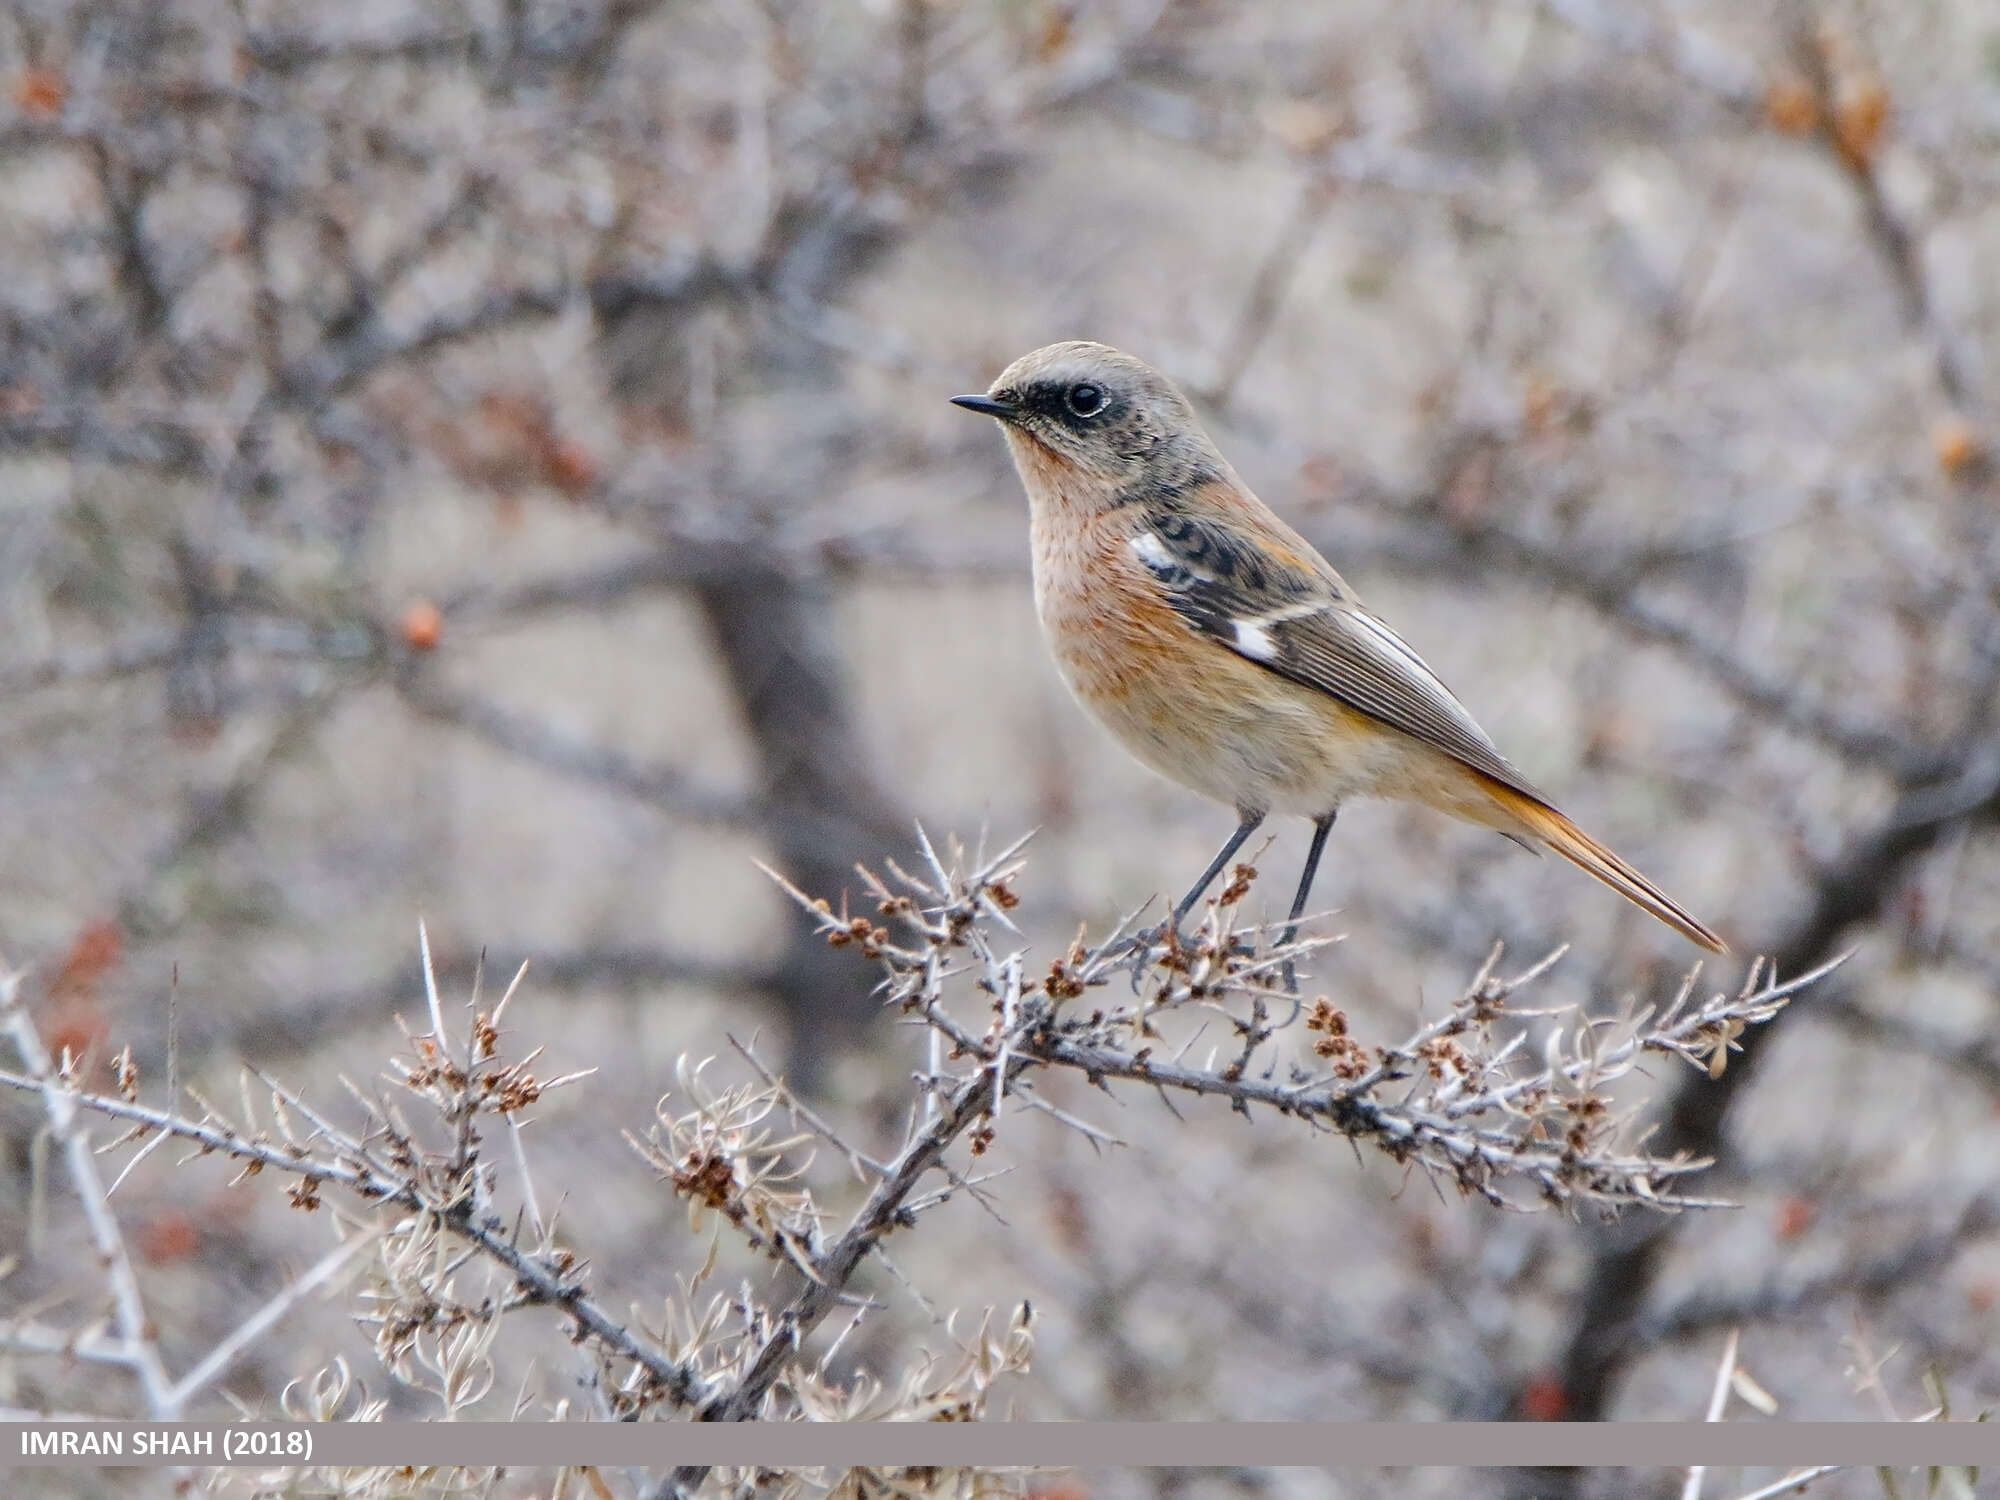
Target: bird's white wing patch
{"type": "Point", "coordinates": [1254, 641]}
{"type": "Point", "coordinates": [1253, 632]}
{"type": "Point", "coordinates": [1154, 553]}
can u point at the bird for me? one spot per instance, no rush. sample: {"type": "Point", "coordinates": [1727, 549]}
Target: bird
{"type": "Point", "coordinates": [1222, 650]}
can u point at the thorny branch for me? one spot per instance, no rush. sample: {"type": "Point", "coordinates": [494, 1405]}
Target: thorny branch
{"type": "Point", "coordinates": [1456, 1098]}
{"type": "Point", "coordinates": [724, 1361]}
{"type": "Point", "coordinates": [1466, 1098]}
{"type": "Point", "coordinates": [136, 1346]}
{"type": "Point", "coordinates": [1462, 1098]}
{"type": "Point", "coordinates": [382, 1163]}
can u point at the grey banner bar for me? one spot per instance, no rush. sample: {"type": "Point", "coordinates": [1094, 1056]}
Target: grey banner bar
{"type": "Point", "coordinates": [1008, 1444]}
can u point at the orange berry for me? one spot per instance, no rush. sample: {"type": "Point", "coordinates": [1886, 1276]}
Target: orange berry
{"type": "Point", "coordinates": [1052, 33]}
{"type": "Point", "coordinates": [1540, 403]}
{"type": "Point", "coordinates": [169, 1235]}
{"type": "Point", "coordinates": [570, 468]}
{"type": "Point", "coordinates": [1795, 1217]}
{"type": "Point", "coordinates": [39, 93]}
{"type": "Point", "coordinates": [1307, 126]}
{"type": "Point", "coordinates": [1955, 443]}
{"type": "Point", "coordinates": [423, 624]}
{"type": "Point", "coordinates": [76, 1024]}
{"type": "Point", "coordinates": [1790, 107]}
{"type": "Point", "coordinates": [1860, 109]}
{"type": "Point", "coordinates": [1322, 474]}
{"type": "Point", "coordinates": [1543, 1399]}
{"type": "Point", "coordinates": [94, 950]}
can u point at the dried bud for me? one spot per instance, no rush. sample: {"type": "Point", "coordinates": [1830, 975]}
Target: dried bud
{"type": "Point", "coordinates": [707, 1177]}
{"type": "Point", "coordinates": [1061, 984]}
{"type": "Point", "coordinates": [1240, 880]}
{"type": "Point", "coordinates": [1324, 1017]}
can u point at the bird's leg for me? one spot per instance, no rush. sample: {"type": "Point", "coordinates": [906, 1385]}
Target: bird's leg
{"type": "Point", "coordinates": [1141, 943]}
{"type": "Point", "coordinates": [1321, 828]}
{"type": "Point", "coordinates": [1250, 824]}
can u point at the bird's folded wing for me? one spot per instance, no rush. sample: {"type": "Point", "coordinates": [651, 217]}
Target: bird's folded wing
{"type": "Point", "coordinates": [1301, 623]}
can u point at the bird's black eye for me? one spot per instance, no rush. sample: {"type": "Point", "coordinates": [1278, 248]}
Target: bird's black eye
{"type": "Point", "coordinates": [1085, 399]}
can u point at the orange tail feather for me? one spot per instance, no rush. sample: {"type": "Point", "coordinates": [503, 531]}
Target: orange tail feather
{"type": "Point", "coordinates": [1583, 851]}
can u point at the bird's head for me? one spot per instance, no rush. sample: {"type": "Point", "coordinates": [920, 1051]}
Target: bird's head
{"type": "Point", "coordinates": [1093, 419]}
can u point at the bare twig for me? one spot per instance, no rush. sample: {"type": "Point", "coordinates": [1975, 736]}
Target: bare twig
{"type": "Point", "coordinates": [1718, 1398]}
{"type": "Point", "coordinates": [244, 1334]}
{"type": "Point", "coordinates": [64, 1106]}
{"type": "Point", "coordinates": [1793, 1483]}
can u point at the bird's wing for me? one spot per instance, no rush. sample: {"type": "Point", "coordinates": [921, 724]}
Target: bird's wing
{"type": "Point", "coordinates": [1276, 603]}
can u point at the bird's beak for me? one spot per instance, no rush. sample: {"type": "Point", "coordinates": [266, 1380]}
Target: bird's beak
{"type": "Point", "coordinates": [986, 406]}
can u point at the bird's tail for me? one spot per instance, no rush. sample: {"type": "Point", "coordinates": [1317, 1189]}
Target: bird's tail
{"type": "Point", "coordinates": [1583, 851]}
